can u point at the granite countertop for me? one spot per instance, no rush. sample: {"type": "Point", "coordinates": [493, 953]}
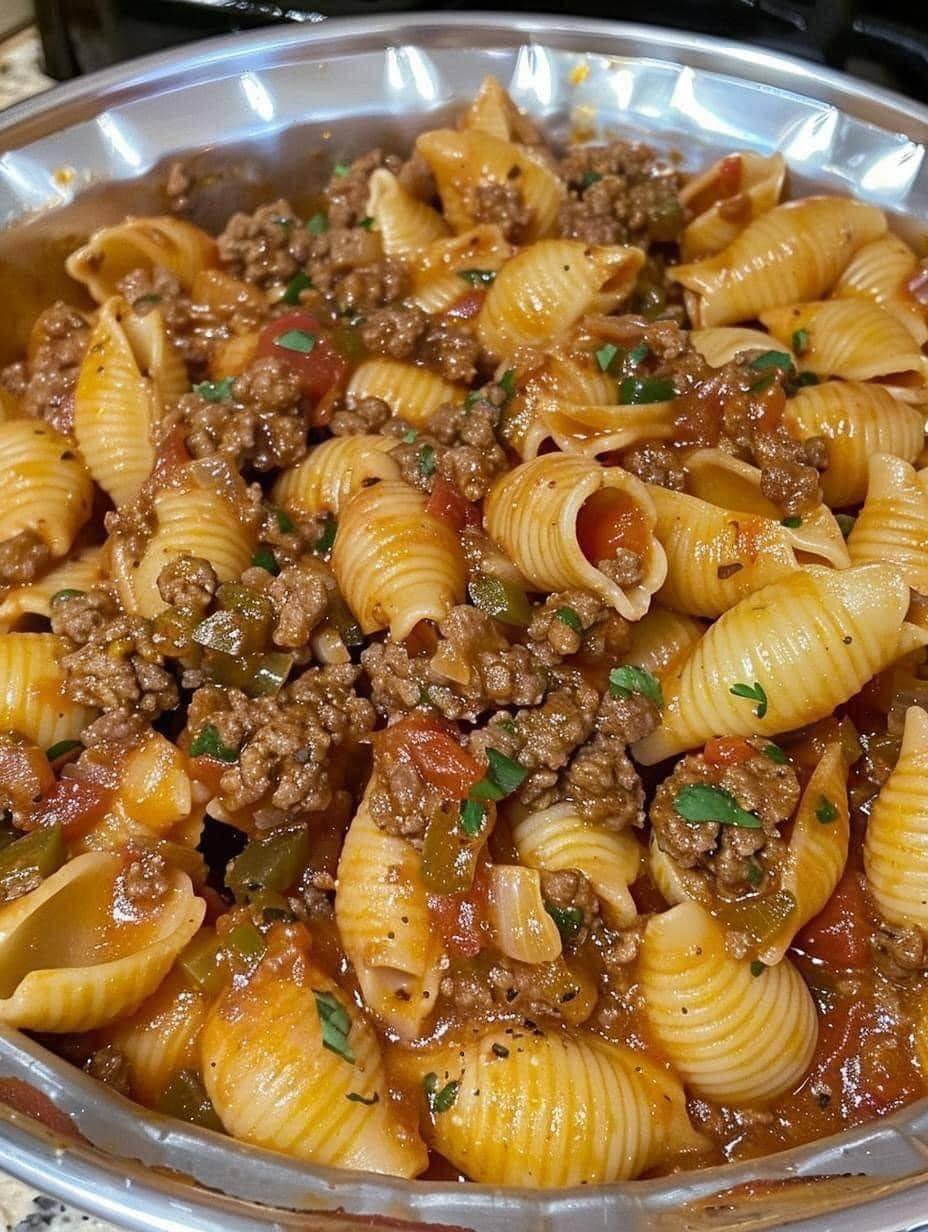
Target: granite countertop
{"type": "Point", "coordinates": [21, 1208]}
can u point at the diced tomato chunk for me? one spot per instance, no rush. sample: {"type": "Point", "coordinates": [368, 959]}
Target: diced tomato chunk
{"type": "Point", "coordinates": [728, 751]}
{"type": "Point", "coordinates": [74, 804]}
{"type": "Point", "coordinates": [610, 519]}
{"type": "Point", "coordinates": [462, 918]}
{"type": "Point", "coordinates": [320, 367]}
{"type": "Point", "coordinates": [840, 933]}
{"type": "Point", "coordinates": [467, 306]}
{"type": "Point", "coordinates": [430, 745]}
{"type": "Point", "coordinates": [447, 503]}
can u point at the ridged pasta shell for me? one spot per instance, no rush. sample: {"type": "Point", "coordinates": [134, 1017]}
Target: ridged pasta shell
{"type": "Point", "coordinates": [559, 838]}
{"type": "Point", "coordinates": [412, 393]}
{"type": "Point", "coordinates": [811, 641]}
{"type": "Point", "coordinates": [105, 962]}
{"type": "Point", "coordinates": [161, 1038]}
{"type": "Point", "coordinates": [531, 512]}
{"type": "Point", "coordinates": [563, 378]}
{"type": "Point", "coordinates": [817, 850]}
{"type": "Point", "coordinates": [334, 471]}
{"type": "Point", "coordinates": [406, 224]}
{"type": "Point", "coordinates": [596, 429]}
{"type": "Point", "coordinates": [81, 573]}
{"type": "Point", "coordinates": [519, 1091]}
{"type": "Point", "coordinates": [383, 920]}
{"type": "Point", "coordinates": [857, 420]}
{"type": "Point", "coordinates": [436, 280]}
{"type": "Point", "coordinates": [31, 682]}
{"type": "Point", "coordinates": [880, 272]}
{"type": "Point", "coordinates": [44, 486]}
{"type": "Point", "coordinates": [896, 842]}
{"type": "Point", "coordinates": [794, 252]}
{"type": "Point", "coordinates": [857, 340]}
{"type": "Point", "coordinates": [723, 343]}
{"type": "Point", "coordinates": [395, 563]}
{"type": "Point", "coordinates": [892, 526]}
{"type": "Point", "coordinates": [141, 243]}
{"type": "Point", "coordinates": [758, 189]}
{"type": "Point", "coordinates": [661, 640]}
{"type": "Point", "coordinates": [462, 160]}
{"type": "Point", "coordinates": [545, 289]}
{"type": "Point", "coordinates": [731, 1036]}
{"type": "Point", "coordinates": [274, 1083]}
{"type": "Point", "coordinates": [491, 111]}
{"type": "Point", "coordinates": [521, 926]}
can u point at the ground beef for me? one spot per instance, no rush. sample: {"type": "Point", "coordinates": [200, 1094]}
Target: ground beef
{"type": "Point", "coordinates": [120, 726]}
{"type": "Point", "coordinates": [462, 446]}
{"type": "Point", "coordinates": [338, 251]}
{"type": "Point", "coordinates": [401, 802]}
{"type": "Point", "coordinates": [553, 625]}
{"type": "Point", "coordinates": [569, 890]}
{"type": "Point", "coordinates": [622, 949]}
{"type": "Point", "coordinates": [602, 782]}
{"type": "Point", "coordinates": [502, 204]}
{"type": "Point", "coordinates": [188, 582]}
{"type": "Point", "coordinates": [629, 717]}
{"type": "Point", "coordinates": [143, 885]}
{"type": "Point", "coordinates": [45, 383]}
{"type": "Point", "coordinates": [82, 616]}
{"type": "Point", "coordinates": [262, 422]}
{"type": "Point", "coordinates": [177, 187]}
{"type": "Point", "coordinates": [655, 462]}
{"type": "Point", "coordinates": [498, 674]}
{"type": "Point", "coordinates": [450, 350]}
{"type": "Point", "coordinates": [266, 248]}
{"type": "Point", "coordinates": [295, 750]}
{"type": "Point", "coordinates": [400, 681]}
{"type": "Point", "coordinates": [348, 189]}
{"type": "Point", "coordinates": [416, 177]}
{"type": "Point", "coordinates": [787, 477]}
{"type": "Point", "coordinates": [727, 852]}
{"type": "Point", "coordinates": [316, 898]}
{"type": "Point", "coordinates": [23, 558]}
{"type": "Point", "coordinates": [373, 286]}
{"type": "Point", "coordinates": [300, 594]}
{"type": "Point", "coordinates": [626, 568]}
{"type": "Point", "coordinates": [519, 987]}
{"type": "Point", "coordinates": [395, 331]}
{"type": "Point", "coordinates": [362, 416]}
{"type": "Point", "coordinates": [900, 953]}
{"type": "Point", "coordinates": [619, 193]}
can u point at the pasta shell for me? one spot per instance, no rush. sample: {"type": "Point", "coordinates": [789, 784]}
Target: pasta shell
{"type": "Point", "coordinates": [384, 924]}
{"type": "Point", "coordinates": [463, 161]}
{"type": "Point", "coordinates": [522, 928]}
{"type": "Point", "coordinates": [753, 191]}
{"type": "Point", "coordinates": [597, 429]}
{"type": "Point", "coordinates": [32, 700]}
{"type": "Point", "coordinates": [857, 340]}
{"type": "Point", "coordinates": [108, 959]}
{"type": "Point", "coordinates": [44, 487]}
{"type": "Point", "coordinates": [892, 526]}
{"type": "Point", "coordinates": [129, 375]}
{"type": "Point", "coordinates": [518, 1091]}
{"type": "Point", "coordinates": [722, 344]}
{"type": "Point", "coordinates": [395, 563]}
{"type": "Point", "coordinates": [406, 225]}
{"type": "Point", "coordinates": [559, 838]}
{"type": "Point", "coordinates": [731, 1036]}
{"type": "Point", "coordinates": [857, 421]}
{"type": "Point", "coordinates": [412, 393]}
{"type": "Point", "coordinates": [896, 843]}
{"type": "Point", "coordinates": [563, 378]}
{"type": "Point", "coordinates": [811, 641]}
{"type": "Point", "coordinates": [532, 511]}
{"type": "Point", "coordinates": [661, 640]}
{"type": "Point", "coordinates": [438, 275]}
{"type": "Point", "coordinates": [81, 573]}
{"type": "Point", "coordinates": [544, 290]}
{"type": "Point", "coordinates": [141, 243]}
{"type": "Point", "coordinates": [492, 111]}
{"type": "Point", "coordinates": [880, 272]}
{"type": "Point", "coordinates": [817, 850]}
{"type": "Point", "coordinates": [334, 471]}
{"type": "Point", "coordinates": [275, 1084]}
{"type": "Point", "coordinates": [794, 252]}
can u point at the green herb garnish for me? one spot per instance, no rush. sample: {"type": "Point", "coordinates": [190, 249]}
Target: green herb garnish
{"type": "Point", "coordinates": [807, 378]}
{"type": "Point", "coordinates": [318, 224]}
{"type": "Point", "coordinates": [845, 522]}
{"type": "Point", "coordinates": [284, 521]}
{"type": "Point", "coordinates": [757, 968]}
{"type": "Point", "coordinates": [638, 354]}
{"type": "Point", "coordinates": [639, 390]}
{"type": "Point", "coordinates": [215, 391]}
{"type": "Point", "coordinates": [567, 919]}
{"type": "Point", "coordinates": [507, 383]}
{"type": "Point", "coordinates": [771, 359]}
{"type": "Point", "coordinates": [590, 177]}
{"type": "Point", "coordinates": [755, 874]}
{"type": "Point", "coordinates": [357, 1098]}
{"type": "Point", "coordinates": [439, 1100]}
{"type": "Point", "coordinates": [297, 340]}
{"type": "Point", "coordinates": [629, 679]}
{"type": "Point", "coordinates": [409, 436]}
{"type": "Point", "coordinates": [605, 355]}
{"type": "Point", "coordinates": [325, 541]}
{"type": "Point", "coordinates": [800, 341]}
{"type": "Point", "coordinates": [62, 747]}
{"type": "Point", "coordinates": [144, 300]}
{"type": "Point", "coordinates": [207, 743]}
{"type": "Point", "coordinates": [477, 277]}
{"type": "Point", "coordinates": [366, 222]}
{"type": "Point", "coordinates": [754, 693]}
{"type": "Point", "coordinates": [502, 778]}
{"type": "Point", "coordinates": [427, 464]}
{"type": "Point", "coordinates": [298, 283]}
{"type": "Point", "coordinates": [792, 522]}
{"type": "Point", "coordinates": [335, 1025]}
{"type": "Point", "coordinates": [774, 753]}
{"type": "Point", "coordinates": [341, 169]}
{"type": "Point", "coordinates": [264, 558]}
{"type": "Point", "coordinates": [567, 616]}
{"type": "Point", "coordinates": [68, 592]}
{"type": "Point", "coordinates": [826, 812]}
{"type": "Point", "coordinates": [472, 817]}
{"type": "Point", "coordinates": [698, 802]}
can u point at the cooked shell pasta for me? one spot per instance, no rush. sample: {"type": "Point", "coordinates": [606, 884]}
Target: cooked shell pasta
{"type": "Point", "coordinates": [856, 420]}
{"type": "Point", "coordinates": [443, 272]}
{"type": "Point", "coordinates": [723, 343]}
{"type": "Point", "coordinates": [559, 838]}
{"type": "Point", "coordinates": [522, 927]}
{"type": "Point", "coordinates": [412, 393]}
{"type": "Point", "coordinates": [563, 378]}
{"type": "Point", "coordinates": [896, 843]}
{"type": "Point", "coordinates": [794, 252]}
{"type": "Point", "coordinates": [493, 111]}
{"type": "Point", "coordinates": [732, 1036]}
{"type": "Point", "coordinates": [892, 526]}
{"type": "Point", "coordinates": [112, 955]}
{"type": "Point", "coordinates": [395, 563]}
{"type": "Point", "coordinates": [44, 487]}
{"type": "Point", "coordinates": [273, 1081]}
{"type": "Point", "coordinates": [880, 272]}
{"type": "Point", "coordinates": [130, 374]}
{"type": "Point", "coordinates": [597, 429]}
{"type": "Point", "coordinates": [383, 917]}
{"type": "Point", "coordinates": [518, 1091]}
{"type": "Point", "coordinates": [406, 225]}
{"type": "Point", "coordinates": [811, 641]}
{"type": "Point", "coordinates": [753, 180]}
{"type": "Point", "coordinates": [334, 471]}
{"type": "Point", "coordinates": [141, 243]}
{"type": "Point", "coordinates": [661, 640]}
{"type": "Point", "coordinates": [35, 599]}
{"type": "Point", "coordinates": [547, 287]}
{"type": "Point", "coordinates": [31, 698]}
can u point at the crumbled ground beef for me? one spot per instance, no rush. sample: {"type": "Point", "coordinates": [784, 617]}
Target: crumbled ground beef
{"type": "Point", "coordinates": [120, 726]}
{"type": "Point", "coordinates": [262, 422]}
{"type": "Point", "coordinates": [46, 382]}
{"type": "Point", "coordinates": [502, 204]}
{"type": "Point", "coordinates": [900, 953]}
{"type": "Point", "coordinates": [655, 462]}
{"type": "Point", "coordinates": [372, 286]}
{"type": "Point", "coordinates": [498, 674]}
{"type": "Point", "coordinates": [603, 783]}
{"type": "Point", "coordinates": [622, 949]}
{"type": "Point", "coordinates": [629, 717]}
{"type": "Point", "coordinates": [294, 750]}
{"type": "Point", "coordinates": [401, 802]}
{"type": "Point", "coordinates": [461, 446]}
{"type": "Point", "coordinates": [619, 193]}
{"type": "Point", "coordinates": [626, 568]}
{"type": "Point", "coordinates": [23, 558]}
{"type": "Point", "coordinates": [521, 988]}
{"type": "Point", "coordinates": [144, 883]}
{"type": "Point", "coordinates": [407, 332]}
{"type": "Point", "coordinates": [347, 190]}
{"type": "Point", "coordinates": [82, 616]}
{"type": "Point", "coordinates": [188, 582]}
{"type": "Point", "coordinates": [450, 350]}
{"type": "Point", "coordinates": [601, 629]}
{"type": "Point", "coordinates": [267, 247]}
{"type": "Point", "coordinates": [362, 416]}
{"type": "Point", "coordinates": [569, 890]}
{"type": "Point", "coordinates": [395, 331]}
{"type": "Point", "coordinates": [300, 594]}
{"type": "Point", "coordinates": [728, 853]}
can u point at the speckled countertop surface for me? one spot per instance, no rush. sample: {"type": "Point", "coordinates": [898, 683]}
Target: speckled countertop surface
{"type": "Point", "coordinates": [21, 1208]}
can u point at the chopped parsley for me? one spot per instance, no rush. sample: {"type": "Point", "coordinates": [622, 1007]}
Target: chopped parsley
{"type": "Point", "coordinates": [502, 778]}
{"type": "Point", "coordinates": [62, 747]}
{"type": "Point", "coordinates": [298, 283]}
{"type": "Point", "coordinates": [318, 224]}
{"type": "Point", "coordinates": [67, 592]}
{"type": "Point", "coordinates": [357, 1098]}
{"type": "Point", "coordinates": [755, 874]}
{"type": "Point", "coordinates": [336, 1025]}
{"type": "Point", "coordinates": [698, 802]}
{"type": "Point", "coordinates": [567, 919]}
{"type": "Point", "coordinates": [774, 753]}
{"type": "Point", "coordinates": [629, 679]}
{"type": "Point", "coordinates": [589, 178]}
{"type": "Point", "coordinates": [472, 399]}
{"type": "Point", "coordinates": [325, 541]}
{"type": "Point", "coordinates": [567, 616]}
{"type": "Point", "coordinates": [439, 1099]}
{"type": "Point", "coordinates": [207, 743]}
{"type": "Point", "coordinates": [297, 340]}
{"type": "Point", "coordinates": [806, 378]}
{"type": "Point", "coordinates": [845, 522]}
{"type": "Point", "coordinates": [507, 383]}
{"type": "Point", "coordinates": [472, 817]}
{"type": "Point", "coordinates": [366, 222]}
{"type": "Point", "coordinates": [757, 968]}
{"type": "Point", "coordinates": [605, 355]}
{"type": "Point", "coordinates": [826, 812]}
{"type": "Point", "coordinates": [215, 391]}
{"type": "Point", "coordinates": [341, 169]}
{"type": "Point", "coordinates": [264, 558]}
{"type": "Point", "coordinates": [409, 436]}
{"type": "Point", "coordinates": [477, 277]}
{"type": "Point", "coordinates": [284, 521]}
{"type": "Point", "coordinates": [800, 341]}
{"type": "Point", "coordinates": [791, 522]}
{"type": "Point", "coordinates": [639, 390]}
{"type": "Point", "coordinates": [772, 359]}
{"type": "Point", "coordinates": [427, 464]}
{"type": "Point", "coordinates": [638, 354]}
{"type": "Point", "coordinates": [754, 693]}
